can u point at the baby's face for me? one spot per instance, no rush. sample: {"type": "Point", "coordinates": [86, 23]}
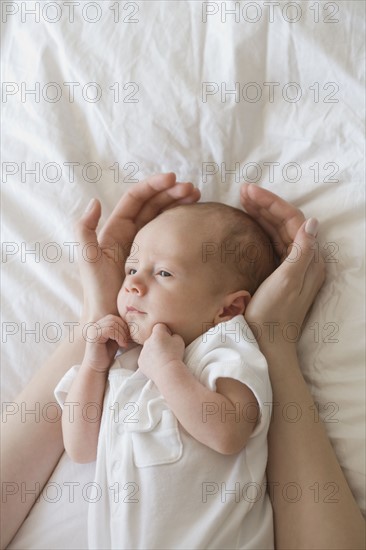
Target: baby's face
{"type": "Point", "coordinates": [168, 282]}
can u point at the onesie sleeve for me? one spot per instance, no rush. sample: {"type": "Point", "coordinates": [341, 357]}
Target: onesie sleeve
{"type": "Point", "coordinates": [250, 368]}
{"type": "Point", "coordinates": [64, 385]}
{"type": "Point", "coordinates": [228, 354]}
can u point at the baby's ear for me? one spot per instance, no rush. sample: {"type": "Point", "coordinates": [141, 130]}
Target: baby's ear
{"type": "Point", "coordinates": [233, 304]}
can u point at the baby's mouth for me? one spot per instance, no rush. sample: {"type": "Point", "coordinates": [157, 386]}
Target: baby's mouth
{"type": "Point", "coordinates": [130, 309]}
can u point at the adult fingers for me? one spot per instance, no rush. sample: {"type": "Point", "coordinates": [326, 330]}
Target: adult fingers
{"type": "Point", "coordinates": [131, 202]}
{"type": "Point", "coordinates": [280, 219]}
{"type": "Point", "coordinates": [143, 201]}
{"type": "Point", "coordinates": [181, 193]}
{"type": "Point", "coordinates": [191, 197]}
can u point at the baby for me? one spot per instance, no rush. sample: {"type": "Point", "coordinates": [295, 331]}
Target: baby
{"type": "Point", "coordinates": [180, 448]}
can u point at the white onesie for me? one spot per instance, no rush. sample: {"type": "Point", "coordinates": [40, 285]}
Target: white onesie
{"type": "Point", "coordinates": [156, 487]}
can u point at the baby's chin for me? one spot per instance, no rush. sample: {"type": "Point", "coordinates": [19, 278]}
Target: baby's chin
{"type": "Point", "coordinates": [138, 340]}
{"type": "Point", "coordinates": [138, 334]}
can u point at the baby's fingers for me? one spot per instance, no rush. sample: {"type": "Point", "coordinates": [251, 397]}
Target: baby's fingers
{"type": "Point", "coordinates": [111, 327]}
{"type": "Point", "coordinates": [161, 329]}
{"type": "Point", "coordinates": [165, 336]}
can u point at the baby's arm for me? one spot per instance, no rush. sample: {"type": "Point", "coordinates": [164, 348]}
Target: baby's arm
{"type": "Point", "coordinates": [82, 414]}
{"type": "Point", "coordinates": [223, 419]}
{"type": "Point", "coordinates": [82, 411]}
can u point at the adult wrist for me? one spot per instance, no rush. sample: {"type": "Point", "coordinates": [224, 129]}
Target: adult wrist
{"type": "Point", "coordinates": [282, 360]}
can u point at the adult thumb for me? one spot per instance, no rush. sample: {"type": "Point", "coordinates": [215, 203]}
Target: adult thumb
{"type": "Point", "coordinates": [85, 227]}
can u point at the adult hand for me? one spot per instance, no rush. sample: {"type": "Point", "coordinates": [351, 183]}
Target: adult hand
{"type": "Point", "coordinates": [102, 259]}
{"type": "Point", "coordinates": [286, 296]}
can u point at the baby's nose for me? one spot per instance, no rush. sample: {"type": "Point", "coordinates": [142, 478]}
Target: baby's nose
{"type": "Point", "coordinates": [135, 285]}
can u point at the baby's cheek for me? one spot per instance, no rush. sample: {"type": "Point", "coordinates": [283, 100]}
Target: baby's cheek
{"type": "Point", "coordinates": [121, 307]}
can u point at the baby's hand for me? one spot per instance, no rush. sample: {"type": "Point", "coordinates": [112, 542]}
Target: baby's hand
{"type": "Point", "coordinates": [160, 349]}
{"type": "Point", "coordinates": [103, 340]}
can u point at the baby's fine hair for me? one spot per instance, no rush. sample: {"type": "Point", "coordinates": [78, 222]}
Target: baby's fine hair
{"type": "Point", "coordinates": [242, 250]}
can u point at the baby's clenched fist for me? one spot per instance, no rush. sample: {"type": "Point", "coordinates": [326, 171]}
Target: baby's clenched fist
{"type": "Point", "coordinates": [160, 349]}
{"type": "Point", "coordinates": [103, 340]}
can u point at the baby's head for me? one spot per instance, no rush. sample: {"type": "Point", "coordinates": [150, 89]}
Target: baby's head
{"type": "Point", "coordinates": [192, 267]}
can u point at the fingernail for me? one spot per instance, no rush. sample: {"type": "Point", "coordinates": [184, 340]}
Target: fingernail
{"type": "Point", "coordinates": [90, 206]}
{"type": "Point", "coordinates": [311, 227]}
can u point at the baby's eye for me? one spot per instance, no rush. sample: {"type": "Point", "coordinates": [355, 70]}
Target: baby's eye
{"type": "Point", "coordinates": [164, 273]}
{"type": "Point", "coordinates": [131, 271]}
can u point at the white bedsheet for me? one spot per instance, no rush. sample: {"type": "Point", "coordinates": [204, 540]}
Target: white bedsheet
{"type": "Point", "coordinates": [271, 93]}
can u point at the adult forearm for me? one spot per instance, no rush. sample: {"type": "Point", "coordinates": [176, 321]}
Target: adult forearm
{"type": "Point", "coordinates": [31, 442]}
{"type": "Point", "coordinates": [313, 505]}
